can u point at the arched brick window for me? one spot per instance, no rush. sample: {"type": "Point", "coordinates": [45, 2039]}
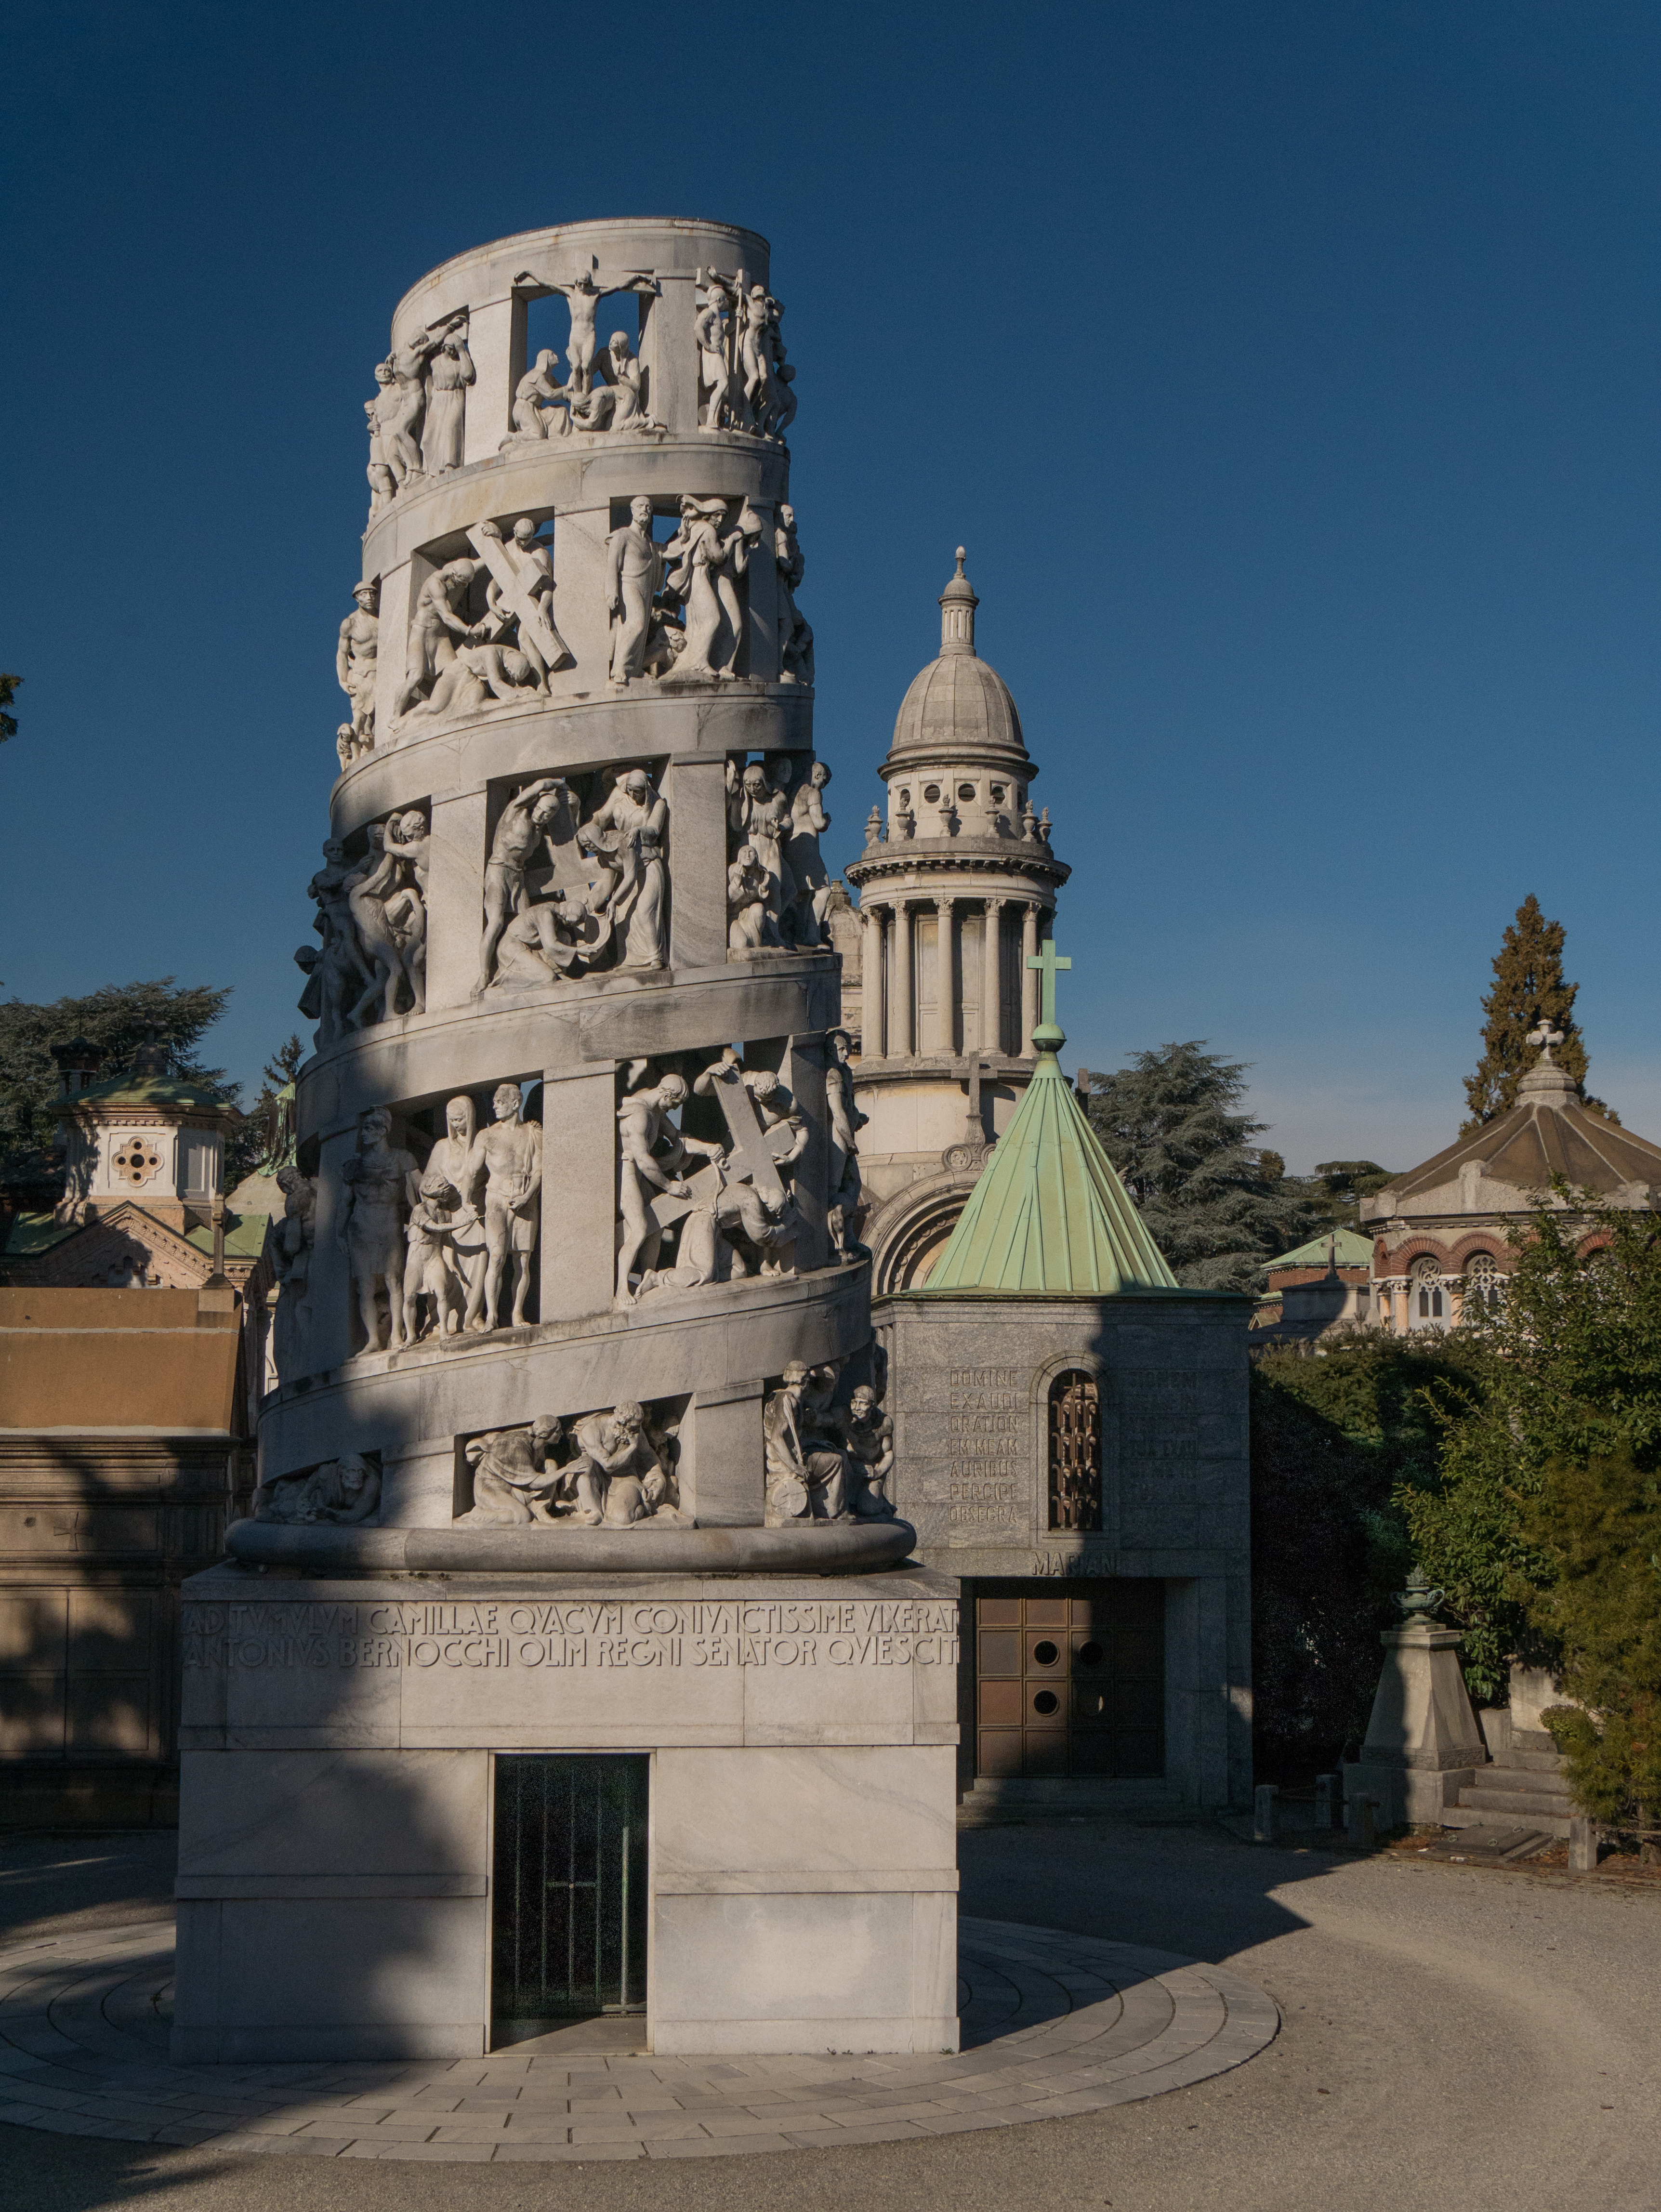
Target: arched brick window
{"type": "Point", "coordinates": [1426, 1307]}
{"type": "Point", "coordinates": [1075, 1451]}
{"type": "Point", "coordinates": [1485, 1283]}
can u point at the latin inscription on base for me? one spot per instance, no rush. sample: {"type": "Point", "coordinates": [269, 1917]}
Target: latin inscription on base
{"type": "Point", "coordinates": [532, 1633]}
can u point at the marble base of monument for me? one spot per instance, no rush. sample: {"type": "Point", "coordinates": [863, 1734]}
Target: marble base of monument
{"type": "Point", "coordinates": [337, 1891]}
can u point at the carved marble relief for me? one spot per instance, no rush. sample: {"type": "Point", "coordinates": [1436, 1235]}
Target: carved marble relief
{"type": "Point", "coordinates": [416, 417]}
{"type": "Point", "coordinates": [567, 892]}
{"type": "Point", "coordinates": [823, 1462]}
{"type": "Point", "coordinates": [291, 1241]}
{"type": "Point", "coordinates": [708, 558]}
{"type": "Point", "coordinates": [727, 1210]}
{"type": "Point", "coordinates": [778, 889]}
{"type": "Point", "coordinates": [345, 1492]}
{"type": "Point", "coordinates": [795, 637]}
{"type": "Point", "coordinates": [380, 1182]}
{"type": "Point", "coordinates": [745, 380]}
{"type": "Point", "coordinates": [605, 388]}
{"type": "Point", "coordinates": [505, 1165]}
{"type": "Point", "coordinates": [357, 649]}
{"type": "Point", "coordinates": [614, 1468]}
{"type": "Point", "coordinates": [846, 1122]}
{"type": "Point", "coordinates": [372, 918]}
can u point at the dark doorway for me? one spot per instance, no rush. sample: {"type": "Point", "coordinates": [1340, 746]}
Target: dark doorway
{"type": "Point", "coordinates": [1069, 1678]}
{"type": "Point", "coordinates": [569, 1914]}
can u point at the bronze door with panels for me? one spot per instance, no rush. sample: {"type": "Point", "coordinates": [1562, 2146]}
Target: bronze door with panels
{"type": "Point", "coordinates": [1069, 1678]}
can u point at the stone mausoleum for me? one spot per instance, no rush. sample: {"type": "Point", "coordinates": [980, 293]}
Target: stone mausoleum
{"type": "Point", "coordinates": [574, 1662]}
{"type": "Point", "coordinates": [1070, 1432]}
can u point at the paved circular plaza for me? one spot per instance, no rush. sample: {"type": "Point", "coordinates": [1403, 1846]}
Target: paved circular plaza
{"type": "Point", "coordinates": [1052, 2024]}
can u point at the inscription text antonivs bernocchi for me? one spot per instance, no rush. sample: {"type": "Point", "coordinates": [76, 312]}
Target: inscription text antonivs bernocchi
{"type": "Point", "coordinates": [588, 1632]}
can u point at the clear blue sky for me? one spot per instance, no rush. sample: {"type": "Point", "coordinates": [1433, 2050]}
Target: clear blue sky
{"type": "Point", "coordinates": [1289, 370]}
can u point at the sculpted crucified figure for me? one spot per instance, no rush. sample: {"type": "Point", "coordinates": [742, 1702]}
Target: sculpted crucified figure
{"type": "Point", "coordinates": [583, 296]}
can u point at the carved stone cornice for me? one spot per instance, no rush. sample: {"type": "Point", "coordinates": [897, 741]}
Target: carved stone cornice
{"type": "Point", "coordinates": [889, 864]}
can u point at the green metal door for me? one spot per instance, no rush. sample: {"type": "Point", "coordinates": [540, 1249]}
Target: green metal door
{"type": "Point", "coordinates": [569, 1917]}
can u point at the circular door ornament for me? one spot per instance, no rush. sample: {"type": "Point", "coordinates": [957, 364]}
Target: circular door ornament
{"type": "Point", "coordinates": [135, 1160]}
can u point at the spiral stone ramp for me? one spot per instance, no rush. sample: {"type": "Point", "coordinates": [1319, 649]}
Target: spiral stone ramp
{"type": "Point", "coordinates": [1053, 2024]}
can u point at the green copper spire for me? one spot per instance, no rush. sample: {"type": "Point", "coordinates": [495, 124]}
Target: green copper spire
{"type": "Point", "coordinates": [1049, 1217]}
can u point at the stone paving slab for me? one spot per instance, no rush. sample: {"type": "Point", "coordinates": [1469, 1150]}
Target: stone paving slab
{"type": "Point", "coordinates": [1054, 2024]}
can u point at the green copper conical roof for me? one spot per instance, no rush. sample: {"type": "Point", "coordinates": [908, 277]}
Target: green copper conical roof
{"type": "Point", "coordinates": [1049, 1217]}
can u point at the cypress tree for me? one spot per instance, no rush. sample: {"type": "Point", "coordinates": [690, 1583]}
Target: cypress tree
{"type": "Point", "coordinates": [1528, 988]}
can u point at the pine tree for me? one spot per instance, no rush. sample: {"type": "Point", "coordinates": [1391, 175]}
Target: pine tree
{"type": "Point", "coordinates": [1214, 1203]}
{"type": "Point", "coordinates": [119, 1019]}
{"type": "Point", "coordinates": [1528, 988]}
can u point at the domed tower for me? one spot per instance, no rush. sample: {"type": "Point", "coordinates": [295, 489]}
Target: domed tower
{"type": "Point", "coordinates": [582, 1556]}
{"type": "Point", "coordinates": [957, 887]}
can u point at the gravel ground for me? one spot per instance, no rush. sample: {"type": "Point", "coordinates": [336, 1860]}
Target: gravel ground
{"type": "Point", "coordinates": [1474, 2037]}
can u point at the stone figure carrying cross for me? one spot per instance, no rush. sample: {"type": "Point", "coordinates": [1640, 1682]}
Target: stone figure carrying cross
{"type": "Point", "coordinates": [1046, 960]}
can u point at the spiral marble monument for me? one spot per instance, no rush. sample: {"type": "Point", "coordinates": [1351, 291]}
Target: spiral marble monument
{"type": "Point", "coordinates": [568, 1321]}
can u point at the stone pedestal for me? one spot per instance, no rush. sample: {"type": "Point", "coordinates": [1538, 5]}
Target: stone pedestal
{"type": "Point", "coordinates": [1423, 1743]}
{"type": "Point", "coordinates": [336, 1890]}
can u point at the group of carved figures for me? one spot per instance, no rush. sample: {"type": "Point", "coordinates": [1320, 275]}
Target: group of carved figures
{"type": "Point", "coordinates": [565, 894]}
{"type": "Point", "coordinates": [344, 1493]}
{"type": "Point", "coordinates": [618, 1468]}
{"type": "Point", "coordinates": [483, 634]}
{"type": "Point", "coordinates": [372, 918]}
{"type": "Point", "coordinates": [416, 419]}
{"type": "Point", "coordinates": [778, 890]}
{"type": "Point", "coordinates": [745, 381]}
{"type": "Point", "coordinates": [610, 1469]}
{"type": "Point", "coordinates": [431, 1250]}
{"type": "Point", "coordinates": [730, 1208]}
{"type": "Point", "coordinates": [675, 608]}
{"type": "Point", "coordinates": [825, 1462]}
{"type": "Point", "coordinates": [605, 387]}
{"type": "Point", "coordinates": [449, 1246]}
{"type": "Point", "coordinates": [603, 899]}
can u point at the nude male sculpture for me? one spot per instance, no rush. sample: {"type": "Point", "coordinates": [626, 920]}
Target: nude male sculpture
{"type": "Point", "coordinates": [436, 625]}
{"type": "Point", "coordinates": [354, 657]}
{"type": "Point", "coordinates": [377, 1179]}
{"type": "Point", "coordinates": [525, 822]}
{"type": "Point", "coordinates": [507, 1155]}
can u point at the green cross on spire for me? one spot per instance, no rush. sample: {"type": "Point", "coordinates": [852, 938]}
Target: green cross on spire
{"type": "Point", "coordinates": [1047, 961]}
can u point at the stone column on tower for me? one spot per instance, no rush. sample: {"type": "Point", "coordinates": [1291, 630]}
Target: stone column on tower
{"type": "Point", "coordinates": [901, 1015]}
{"type": "Point", "coordinates": [946, 986]}
{"type": "Point", "coordinates": [992, 979]}
{"type": "Point", "coordinates": [872, 1009]}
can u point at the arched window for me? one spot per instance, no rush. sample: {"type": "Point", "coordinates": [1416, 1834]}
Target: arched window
{"type": "Point", "coordinates": [1075, 1451]}
{"type": "Point", "coordinates": [1425, 1309]}
{"type": "Point", "coordinates": [1485, 1285]}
